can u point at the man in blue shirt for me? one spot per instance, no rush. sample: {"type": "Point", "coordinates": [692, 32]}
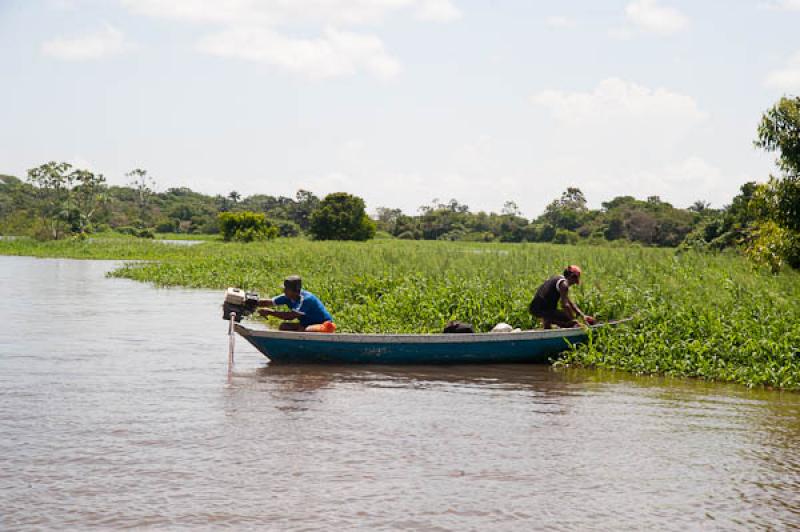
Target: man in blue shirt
{"type": "Point", "coordinates": [303, 306]}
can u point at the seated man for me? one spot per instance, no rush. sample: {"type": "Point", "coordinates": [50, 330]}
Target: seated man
{"type": "Point", "coordinates": [303, 306]}
{"type": "Point", "coordinates": [553, 290]}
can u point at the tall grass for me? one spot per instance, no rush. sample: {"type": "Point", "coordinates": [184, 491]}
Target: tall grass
{"type": "Point", "coordinates": [709, 316]}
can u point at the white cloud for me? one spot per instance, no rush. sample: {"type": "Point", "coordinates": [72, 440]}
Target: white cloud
{"type": "Point", "coordinates": [681, 183]}
{"type": "Point", "coordinates": [271, 12]}
{"type": "Point", "coordinates": [615, 100]}
{"type": "Point", "coordinates": [616, 138]}
{"type": "Point", "coordinates": [437, 10]}
{"type": "Point", "coordinates": [783, 5]}
{"type": "Point", "coordinates": [106, 42]}
{"type": "Point", "coordinates": [560, 22]}
{"type": "Point", "coordinates": [335, 53]}
{"type": "Point", "coordinates": [786, 78]}
{"type": "Point", "coordinates": [260, 30]}
{"type": "Point", "coordinates": [624, 138]}
{"type": "Point", "coordinates": [649, 16]}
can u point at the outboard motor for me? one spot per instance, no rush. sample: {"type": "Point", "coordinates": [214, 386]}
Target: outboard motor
{"type": "Point", "coordinates": [238, 301]}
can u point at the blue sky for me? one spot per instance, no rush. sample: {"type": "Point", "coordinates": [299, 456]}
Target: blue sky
{"type": "Point", "coordinates": [401, 101]}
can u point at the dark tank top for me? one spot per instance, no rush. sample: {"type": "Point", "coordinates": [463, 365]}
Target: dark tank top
{"type": "Point", "coordinates": [547, 296]}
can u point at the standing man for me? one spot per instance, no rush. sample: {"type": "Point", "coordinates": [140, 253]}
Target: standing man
{"type": "Point", "coordinates": [553, 290]}
{"type": "Point", "coordinates": [303, 306]}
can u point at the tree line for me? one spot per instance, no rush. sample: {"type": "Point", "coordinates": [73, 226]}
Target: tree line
{"type": "Point", "coordinates": [57, 200]}
{"type": "Point", "coordinates": [566, 220]}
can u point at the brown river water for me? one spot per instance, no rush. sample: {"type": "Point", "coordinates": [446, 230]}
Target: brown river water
{"type": "Point", "coordinates": [116, 411]}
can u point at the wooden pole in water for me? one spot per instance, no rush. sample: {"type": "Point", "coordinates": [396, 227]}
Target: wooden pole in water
{"type": "Point", "coordinates": [231, 341]}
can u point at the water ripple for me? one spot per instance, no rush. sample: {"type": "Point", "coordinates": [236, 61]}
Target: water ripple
{"type": "Point", "coordinates": [116, 412]}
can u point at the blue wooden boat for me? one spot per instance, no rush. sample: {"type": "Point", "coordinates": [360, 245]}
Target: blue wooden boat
{"type": "Point", "coordinates": [305, 347]}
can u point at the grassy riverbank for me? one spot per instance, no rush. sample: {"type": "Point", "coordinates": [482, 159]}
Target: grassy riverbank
{"type": "Point", "coordinates": [707, 316]}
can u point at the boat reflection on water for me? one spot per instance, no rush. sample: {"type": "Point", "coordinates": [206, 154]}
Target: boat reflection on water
{"type": "Point", "coordinates": [521, 377]}
{"type": "Point", "coordinates": [303, 386]}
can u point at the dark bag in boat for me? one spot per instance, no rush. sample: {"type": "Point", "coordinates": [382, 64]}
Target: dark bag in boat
{"type": "Point", "coordinates": [458, 327]}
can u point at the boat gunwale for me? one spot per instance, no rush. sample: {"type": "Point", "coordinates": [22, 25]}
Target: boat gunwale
{"type": "Point", "coordinates": [411, 338]}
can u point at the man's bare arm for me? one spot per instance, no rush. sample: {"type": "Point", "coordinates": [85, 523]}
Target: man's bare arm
{"type": "Point", "coordinates": [566, 304]}
{"type": "Point", "coordinates": [571, 308]}
{"type": "Point", "coordinates": [280, 314]}
{"type": "Point", "coordinates": [576, 310]}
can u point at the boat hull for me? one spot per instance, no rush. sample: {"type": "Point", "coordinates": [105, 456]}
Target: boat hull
{"type": "Point", "coordinates": [297, 347]}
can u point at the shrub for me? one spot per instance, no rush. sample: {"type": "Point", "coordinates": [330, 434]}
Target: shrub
{"type": "Point", "coordinates": [772, 245]}
{"type": "Point", "coordinates": [210, 227]}
{"type": "Point", "coordinates": [563, 236]}
{"type": "Point", "coordinates": [531, 233]}
{"type": "Point", "coordinates": [287, 228]}
{"type": "Point", "coordinates": [166, 226]}
{"type": "Point", "coordinates": [456, 234]}
{"type": "Point", "coordinates": [478, 236]}
{"type": "Point", "coordinates": [246, 227]}
{"type": "Point", "coordinates": [127, 230]}
{"type": "Point", "coordinates": [547, 233]}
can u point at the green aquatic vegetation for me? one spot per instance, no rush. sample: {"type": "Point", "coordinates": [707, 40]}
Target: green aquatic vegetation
{"type": "Point", "coordinates": [715, 317]}
{"type": "Point", "coordinates": [98, 248]}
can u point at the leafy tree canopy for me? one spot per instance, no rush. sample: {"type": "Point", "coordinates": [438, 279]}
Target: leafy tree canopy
{"type": "Point", "coordinates": [779, 131]}
{"type": "Point", "coordinates": [341, 216]}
